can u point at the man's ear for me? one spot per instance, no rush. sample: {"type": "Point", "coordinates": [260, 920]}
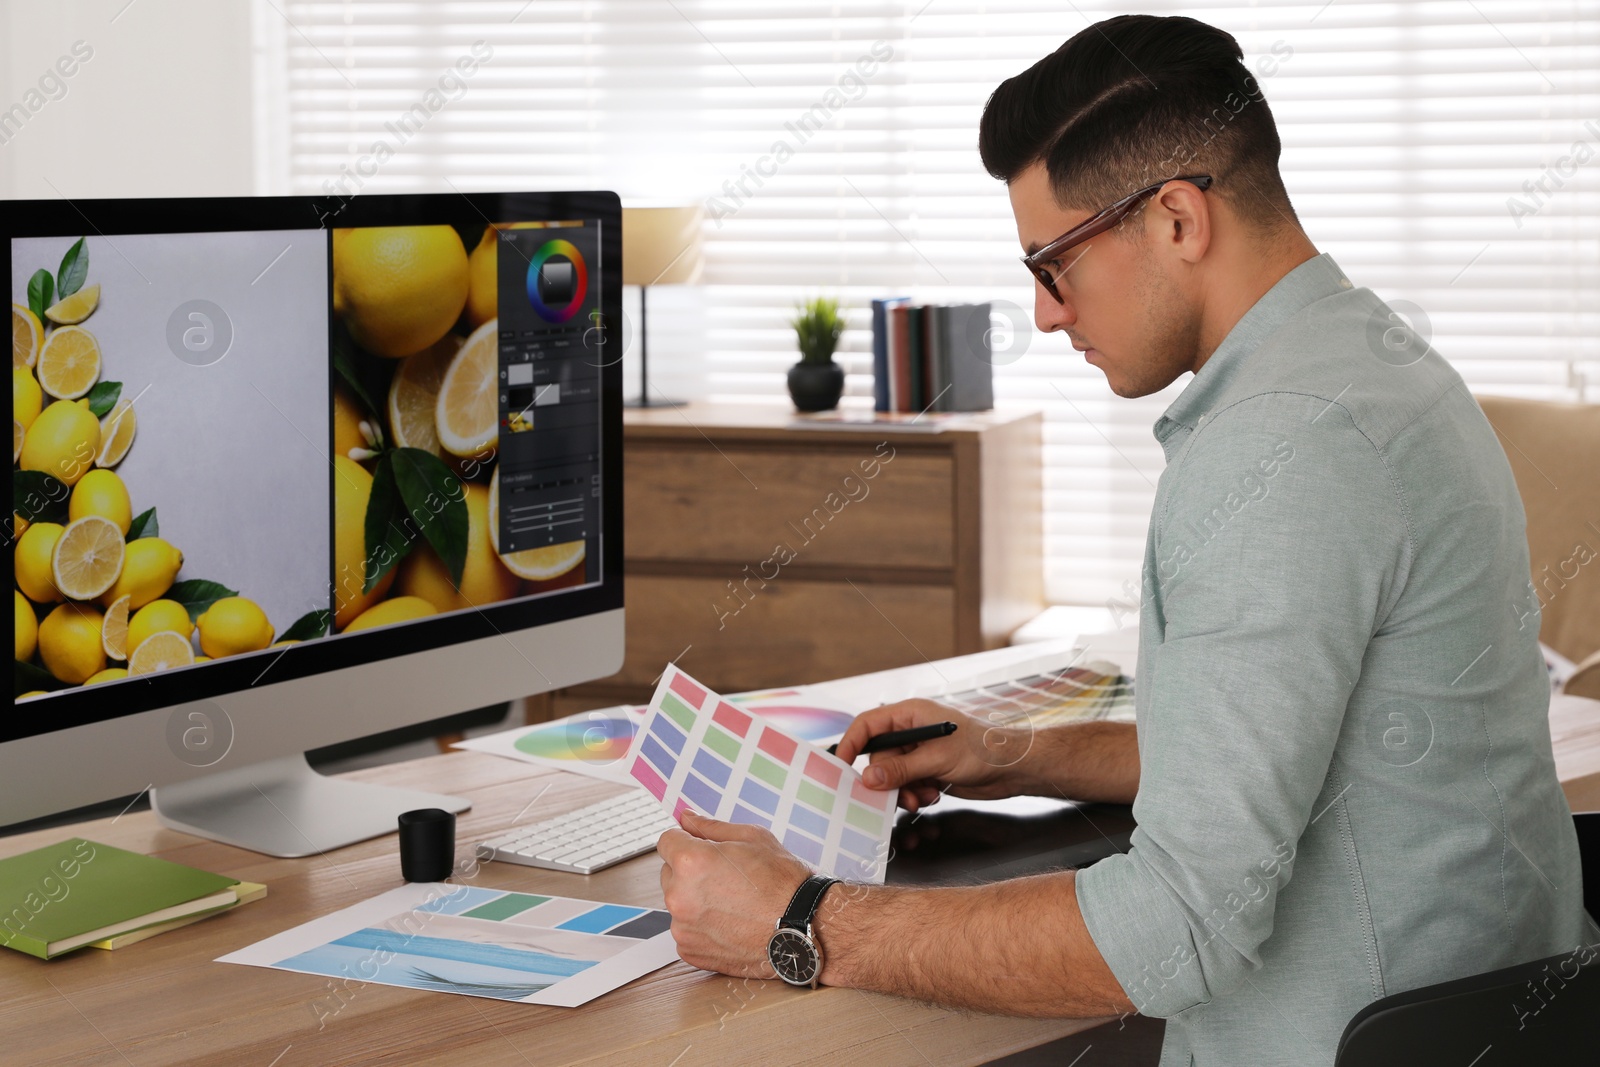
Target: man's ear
{"type": "Point", "coordinates": [1181, 217]}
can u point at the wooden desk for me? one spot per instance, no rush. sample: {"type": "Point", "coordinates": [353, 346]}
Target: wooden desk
{"type": "Point", "coordinates": [163, 1002]}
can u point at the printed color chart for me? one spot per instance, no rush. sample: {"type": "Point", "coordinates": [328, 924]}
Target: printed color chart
{"type": "Point", "coordinates": [527, 947]}
{"type": "Point", "coordinates": [696, 750]}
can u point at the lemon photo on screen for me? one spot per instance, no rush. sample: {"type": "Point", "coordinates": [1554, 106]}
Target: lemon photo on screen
{"type": "Point", "coordinates": [27, 334]}
{"type": "Point", "coordinates": [69, 362]}
{"type": "Point", "coordinates": [414, 395]}
{"type": "Point", "coordinates": [62, 442]}
{"type": "Point", "coordinates": [27, 399]}
{"type": "Point", "coordinates": [399, 288]}
{"type": "Point", "coordinates": [417, 423]}
{"type": "Point", "coordinates": [74, 309]}
{"type": "Point", "coordinates": [139, 547]}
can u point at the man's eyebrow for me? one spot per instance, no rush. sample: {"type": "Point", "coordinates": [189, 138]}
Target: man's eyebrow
{"type": "Point", "coordinates": [1033, 248]}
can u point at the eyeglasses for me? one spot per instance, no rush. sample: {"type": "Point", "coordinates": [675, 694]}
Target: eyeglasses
{"type": "Point", "coordinates": [1094, 227]}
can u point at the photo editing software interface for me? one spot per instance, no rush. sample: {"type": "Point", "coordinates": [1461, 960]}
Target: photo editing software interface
{"type": "Point", "coordinates": [229, 443]}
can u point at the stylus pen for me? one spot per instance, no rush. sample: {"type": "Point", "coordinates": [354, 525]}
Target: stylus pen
{"type": "Point", "coordinates": [896, 738]}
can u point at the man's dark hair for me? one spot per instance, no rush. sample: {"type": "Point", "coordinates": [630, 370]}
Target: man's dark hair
{"type": "Point", "coordinates": [1132, 101]}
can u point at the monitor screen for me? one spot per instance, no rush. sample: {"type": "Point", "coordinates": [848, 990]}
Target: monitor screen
{"type": "Point", "coordinates": [248, 449]}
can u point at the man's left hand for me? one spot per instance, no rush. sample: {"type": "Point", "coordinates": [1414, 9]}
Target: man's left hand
{"type": "Point", "coordinates": [726, 885]}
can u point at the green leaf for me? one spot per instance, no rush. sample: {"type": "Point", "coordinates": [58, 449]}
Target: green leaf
{"type": "Point", "coordinates": [39, 497]}
{"type": "Point", "coordinates": [41, 288]}
{"type": "Point", "coordinates": [74, 268]}
{"type": "Point", "coordinates": [103, 397]}
{"type": "Point", "coordinates": [385, 531]}
{"type": "Point", "coordinates": [367, 376]}
{"type": "Point", "coordinates": [29, 677]}
{"type": "Point", "coordinates": [435, 503]}
{"type": "Point", "coordinates": [197, 594]}
{"type": "Point", "coordinates": [144, 525]}
{"type": "Point", "coordinates": [311, 624]}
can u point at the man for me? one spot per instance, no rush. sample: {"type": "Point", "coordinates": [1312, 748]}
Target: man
{"type": "Point", "coordinates": [1342, 771]}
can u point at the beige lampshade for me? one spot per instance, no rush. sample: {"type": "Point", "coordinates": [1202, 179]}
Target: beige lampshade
{"type": "Point", "coordinates": [661, 245]}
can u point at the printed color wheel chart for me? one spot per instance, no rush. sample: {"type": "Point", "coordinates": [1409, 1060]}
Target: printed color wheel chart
{"type": "Point", "coordinates": [601, 739]}
{"type": "Point", "coordinates": [784, 708]}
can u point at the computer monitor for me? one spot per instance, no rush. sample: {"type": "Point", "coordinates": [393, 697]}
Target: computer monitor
{"type": "Point", "coordinates": [291, 471]}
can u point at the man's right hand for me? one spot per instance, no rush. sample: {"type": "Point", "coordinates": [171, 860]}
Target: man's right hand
{"type": "Point", "coordinates": [979, 761]}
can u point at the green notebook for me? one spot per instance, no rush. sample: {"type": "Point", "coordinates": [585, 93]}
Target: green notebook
{"type": "Point", "coordinates": [63, 896]}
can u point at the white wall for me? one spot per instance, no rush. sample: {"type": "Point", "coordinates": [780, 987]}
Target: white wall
{"type": "Point", "coordinates": [162, 106]}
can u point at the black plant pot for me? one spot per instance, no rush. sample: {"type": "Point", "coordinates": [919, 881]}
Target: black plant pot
{"type": "Point", "coordinates": [816, 386]}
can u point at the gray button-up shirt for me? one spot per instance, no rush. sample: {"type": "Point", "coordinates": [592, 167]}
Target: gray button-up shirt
{"type": "Point", "coordinates": [1347, 788]}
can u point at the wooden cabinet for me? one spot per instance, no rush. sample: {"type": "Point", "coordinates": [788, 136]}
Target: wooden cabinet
{"type": "Point", "coordinates": [763, 553]}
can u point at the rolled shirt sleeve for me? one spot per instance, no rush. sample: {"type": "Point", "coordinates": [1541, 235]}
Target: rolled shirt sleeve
{"type": "Point", "coordinates": [1277, 543]}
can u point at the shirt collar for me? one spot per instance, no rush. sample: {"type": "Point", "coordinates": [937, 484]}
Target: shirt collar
{"type": "Point", "coordinates": [1313, 280]}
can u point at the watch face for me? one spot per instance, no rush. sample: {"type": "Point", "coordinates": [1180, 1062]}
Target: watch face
{"type": "Point", "coordinates": [794, 957]}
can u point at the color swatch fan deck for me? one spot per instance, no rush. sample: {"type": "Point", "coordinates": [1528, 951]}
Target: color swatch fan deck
{"type": "Point", "coordinates": [1094, 691]}
{"type": "Point", "coordinates": [698, 751]}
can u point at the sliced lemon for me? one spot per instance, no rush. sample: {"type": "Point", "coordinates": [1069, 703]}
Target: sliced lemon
{"type": "Point", "coordinates": [534, 564]}
{"type": "Point", "coordinates": [541, 564]}
{"type": "Point", "coordinates": [18, 434]}
{"type": "Point", "coordinates": [469, 396]}
{"type": "Point", "coordinates": [116, 434]}
{"type": "Point", "coordinates": [27, 334]}
{"type": "Point", "coordinates": [88, 557]}
{"type": "Point", "coordinates": [69, 363]}
{"type": "Point", "coordinates": [75, 308]}
{"type": "Point", "coordinates": [414, 395]}
{"type": "Point", "coordinates": [161, 651]}
{"type": "Point", "coordinates": [114, 629]}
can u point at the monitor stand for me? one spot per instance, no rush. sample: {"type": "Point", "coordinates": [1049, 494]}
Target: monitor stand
{"type": "Point", "coordinates": [282, 807]}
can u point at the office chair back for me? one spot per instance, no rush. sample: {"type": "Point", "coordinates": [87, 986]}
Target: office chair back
{"type": "Point", "coordinates": [1546, 1011]}
{"type": "Point", "coordinates": [1551, 448]}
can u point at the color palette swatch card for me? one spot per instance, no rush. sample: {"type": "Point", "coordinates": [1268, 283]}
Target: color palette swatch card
{"type": "Point", "coordinates": [699, 751]}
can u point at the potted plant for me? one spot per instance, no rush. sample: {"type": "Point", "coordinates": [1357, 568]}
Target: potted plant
{"type": "Point", "coordinates": [816, 382]}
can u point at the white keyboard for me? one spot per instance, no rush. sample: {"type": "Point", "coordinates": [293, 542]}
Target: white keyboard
{"type": "Point", "coordinates": [588, 839]}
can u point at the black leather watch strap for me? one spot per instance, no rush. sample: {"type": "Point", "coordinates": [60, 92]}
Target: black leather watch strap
{"type": "Point", "coordinates": [803, 905]}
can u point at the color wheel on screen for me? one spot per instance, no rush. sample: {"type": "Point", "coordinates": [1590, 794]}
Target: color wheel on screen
{"type": "Point", "coordinates": [579, 287]}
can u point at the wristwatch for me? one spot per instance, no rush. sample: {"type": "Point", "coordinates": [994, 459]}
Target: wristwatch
{"type": "Point", "coordinates": [793, 952]}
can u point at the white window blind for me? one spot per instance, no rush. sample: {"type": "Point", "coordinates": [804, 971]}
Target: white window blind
{"type": "Point", "coordinates": [1446, 153]}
